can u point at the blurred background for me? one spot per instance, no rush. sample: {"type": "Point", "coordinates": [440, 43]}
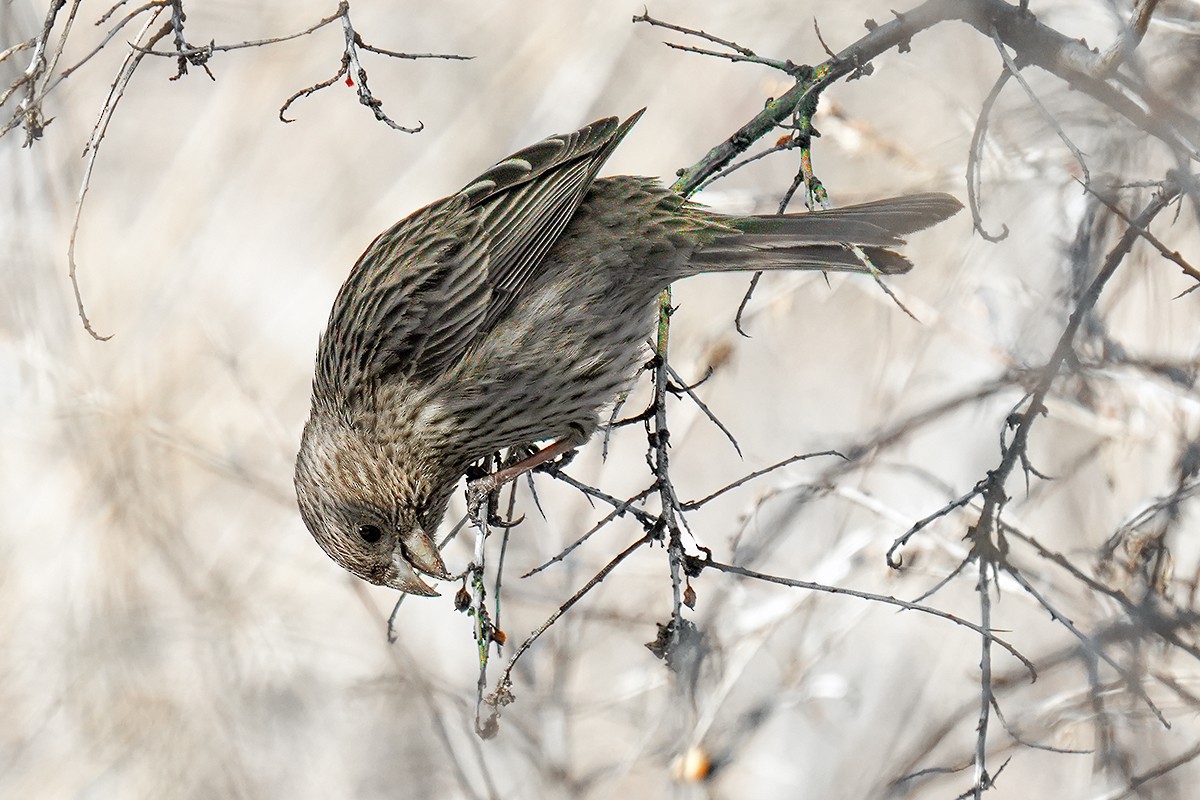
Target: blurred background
{"type": "Point", "coordinates": [170, 630]}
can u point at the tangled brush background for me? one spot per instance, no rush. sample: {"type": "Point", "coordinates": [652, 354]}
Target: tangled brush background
{"type": "Point", "coordinates": [170, 630]}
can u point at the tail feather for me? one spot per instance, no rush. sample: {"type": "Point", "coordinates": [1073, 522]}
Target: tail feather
{"type": "Point", "coordinates": [900, 215]}
{"type": "Point", "coordinates": [833, 257]}
{"type": "Point", "coordinates": [821, 239]}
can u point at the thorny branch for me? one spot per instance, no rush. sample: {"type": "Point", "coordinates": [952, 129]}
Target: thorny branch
{"type": "Point", "coordinates": [1016, 449]}
{"type": "Point", "coordinates": [1036, 45]}
{"type": "Point", "coordinates": [989, 545]}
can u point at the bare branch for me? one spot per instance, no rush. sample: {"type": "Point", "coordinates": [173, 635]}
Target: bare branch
{"type": "Point", "coordinates": [1037, 44]}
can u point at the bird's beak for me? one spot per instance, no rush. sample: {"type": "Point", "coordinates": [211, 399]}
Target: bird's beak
{"type": "Point", "coordinates": [403, 577]}
{"type": "Point", "coordinates": [416, 551]}
{"type": "Point", "coordinates": [422, 552]}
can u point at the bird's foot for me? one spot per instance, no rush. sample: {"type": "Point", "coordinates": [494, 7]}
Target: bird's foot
{"type": "Point", "coordinates": [480, 489]}
{"type": "Point", "coordinates": [479, 497]}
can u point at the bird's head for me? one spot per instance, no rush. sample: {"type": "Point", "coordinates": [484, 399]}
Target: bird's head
{"type": "Point", "coordinates": [368, 511]}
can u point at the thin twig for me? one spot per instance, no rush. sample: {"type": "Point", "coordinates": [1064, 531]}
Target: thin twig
{"type": "Point", "coordinates": [92, 151]}
{"type": "Point", "coordinates": [1088, 643]}
{"type": "Point", "coordinates": [975, 158]}
{"type": "Point", "coordinates": [503, 694]}
{"type": "Point", "coordinates": [108, 37]}
{"type": "Point", "coordinates": [1164, 251]}
{"type": "Point", "coordinates": [924, 522]}
{"type": "Point", "coordinates": [983, 780]}
{"type": "Point", "coordinates": [593, 492]}
{"type": "Point", "coordinates": [704, 409]}
{"type": "Point", "coordinates": [700, 564]}
{"type": "Point", "coordinates": [694, 504]}
{"type": "Point", "coordinates": [604, 521]}
{"type": "Point", "coordinates": [1015, 71]}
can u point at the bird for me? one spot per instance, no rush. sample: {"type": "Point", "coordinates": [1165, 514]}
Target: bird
{"type": "Point", "coordinates": [510, 313]}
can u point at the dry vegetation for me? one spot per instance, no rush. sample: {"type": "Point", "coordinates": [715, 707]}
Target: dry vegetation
{"type": "Point", "coordinates": [1025, 452]}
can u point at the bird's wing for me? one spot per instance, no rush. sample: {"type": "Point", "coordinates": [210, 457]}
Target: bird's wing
{"type": "Point", "coordinates": [429, 286]}
{"type": "Point", "coordinates": [526, 200]}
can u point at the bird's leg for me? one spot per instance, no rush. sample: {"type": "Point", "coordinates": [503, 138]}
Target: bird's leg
{"type": "Point", "coordinates": [480, 488]}
{"type": "Point", "coordinates": [495, 480]}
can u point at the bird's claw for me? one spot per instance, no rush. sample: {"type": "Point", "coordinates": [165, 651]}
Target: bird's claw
{"type": "Point", "coordinates": [478, 498]}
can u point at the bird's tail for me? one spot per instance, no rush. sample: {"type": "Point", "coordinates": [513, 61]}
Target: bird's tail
{"type": "Point", "coordinates": [821, 239]}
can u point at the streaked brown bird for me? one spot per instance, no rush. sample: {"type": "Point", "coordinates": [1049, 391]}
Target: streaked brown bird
{"type": "Point", "coordinates": [511, 312]}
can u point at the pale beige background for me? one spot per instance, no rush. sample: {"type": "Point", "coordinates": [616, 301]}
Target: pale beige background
{"type": "Point", "coordinates": [170, 630]}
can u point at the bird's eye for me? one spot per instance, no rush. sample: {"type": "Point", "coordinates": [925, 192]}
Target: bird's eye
{"type": "Point", "coordinates": [370, 533]}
